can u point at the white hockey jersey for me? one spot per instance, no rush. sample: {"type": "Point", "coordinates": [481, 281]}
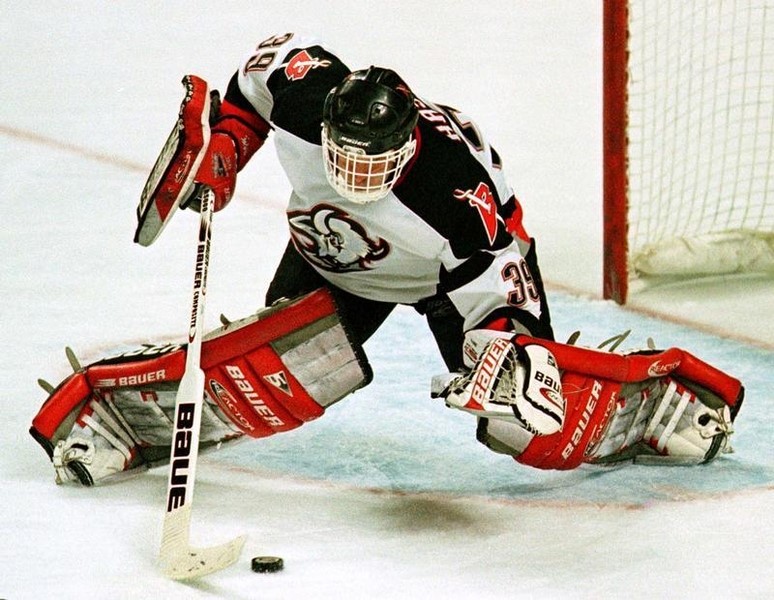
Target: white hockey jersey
{"type": "Point", "coordinates": [450, 226]}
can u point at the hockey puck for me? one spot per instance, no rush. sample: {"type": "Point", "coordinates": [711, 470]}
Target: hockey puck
{"type": "Point", "coordinates": [267, 564]}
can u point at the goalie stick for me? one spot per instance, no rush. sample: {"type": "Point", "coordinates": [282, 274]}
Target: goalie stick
{"type": "Point", "coordinates": [179, 560]}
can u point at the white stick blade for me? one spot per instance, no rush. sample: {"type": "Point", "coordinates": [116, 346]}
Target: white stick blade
{"type": "Point", "coordinates": [191, 563]}
{"type": "Point", "coordinates": [180, 561]}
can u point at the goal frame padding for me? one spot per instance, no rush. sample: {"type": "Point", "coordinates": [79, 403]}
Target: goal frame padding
{"type": "Point", "coordinates": [615, 180]}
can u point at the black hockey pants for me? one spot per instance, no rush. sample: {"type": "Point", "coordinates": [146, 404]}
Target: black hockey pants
{"type": "Point", "coordinates": [294, 277]}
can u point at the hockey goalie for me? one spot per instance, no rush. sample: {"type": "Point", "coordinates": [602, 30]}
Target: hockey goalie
{"type": "Point", "coordinates": [396, 200]}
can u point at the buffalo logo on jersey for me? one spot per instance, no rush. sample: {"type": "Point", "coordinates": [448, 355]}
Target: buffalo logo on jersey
{"type": "Point", "coordinates": [299, 66]}
{"type": "Point", "coordinates": [330, 239]}
{"type": "Point", "coordinates": [483, 201]}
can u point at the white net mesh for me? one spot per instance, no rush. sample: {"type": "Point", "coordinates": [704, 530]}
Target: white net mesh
{"type": "Point", "coordinates": [701, 135]}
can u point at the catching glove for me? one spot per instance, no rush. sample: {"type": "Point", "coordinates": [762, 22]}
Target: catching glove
{"type": "Point", "coordinates": [509, 381]}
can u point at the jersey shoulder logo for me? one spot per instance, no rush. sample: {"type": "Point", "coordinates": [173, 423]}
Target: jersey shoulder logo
{"type": "Point", "coordinates": [301, 64]}
{"type": "Point", "coordinates": [483, 201]}
{"type": "Point", "coordinates": [332, 240]}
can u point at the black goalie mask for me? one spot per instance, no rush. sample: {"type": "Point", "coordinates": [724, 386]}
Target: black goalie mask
{"type": "Point", "coordinates": [367, 140]}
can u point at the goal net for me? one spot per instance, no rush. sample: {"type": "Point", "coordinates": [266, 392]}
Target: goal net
{"type": "Point", "coordinates": [689, 139]}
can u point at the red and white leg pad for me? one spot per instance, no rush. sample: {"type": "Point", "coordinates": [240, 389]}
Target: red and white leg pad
{"type": "Point", "coordinates": [651, 407]}
{"type": "Point", "coordinates": [265, 374]}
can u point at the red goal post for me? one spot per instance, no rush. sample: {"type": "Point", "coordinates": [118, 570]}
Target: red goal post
{"type": "Point", "coordinates": [688, 139]}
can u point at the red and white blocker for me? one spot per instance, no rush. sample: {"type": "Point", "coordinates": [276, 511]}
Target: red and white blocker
{"type": "Point", "coordinates": [265, 374]}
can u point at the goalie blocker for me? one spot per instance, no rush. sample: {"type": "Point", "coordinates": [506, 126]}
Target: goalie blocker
{"type": "Point", "coordinates": [265, 374]}
{"type": "Point", "coordinates": [210, 141]}
{"type": "Point", "coordinates": [658, 407]}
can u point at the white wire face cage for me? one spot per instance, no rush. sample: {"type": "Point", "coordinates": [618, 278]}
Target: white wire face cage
{"type": "Point", "coordinates": [361, 177]}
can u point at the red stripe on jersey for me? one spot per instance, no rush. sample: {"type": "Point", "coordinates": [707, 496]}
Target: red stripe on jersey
{"type": "Point", "coordinates": [514, 224]}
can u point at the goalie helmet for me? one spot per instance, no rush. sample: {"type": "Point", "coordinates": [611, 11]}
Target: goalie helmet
{"type": "Point", "coordinates": [367, 139]}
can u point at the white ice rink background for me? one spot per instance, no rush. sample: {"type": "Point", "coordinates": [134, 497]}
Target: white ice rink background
{"type": "Point", "coordinates": [388, 495]}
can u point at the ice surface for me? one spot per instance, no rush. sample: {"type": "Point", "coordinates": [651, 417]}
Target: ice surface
{"type": "Point", "coordinates": [389, 495]}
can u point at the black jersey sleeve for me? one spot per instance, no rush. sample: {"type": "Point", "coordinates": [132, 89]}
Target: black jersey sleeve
{"type": "Point", "coordinates": [298, 103]}
{"type": "Point", "coordinates": [286, 80]}
{"type": "Point", "coordinates": [455, 186]}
